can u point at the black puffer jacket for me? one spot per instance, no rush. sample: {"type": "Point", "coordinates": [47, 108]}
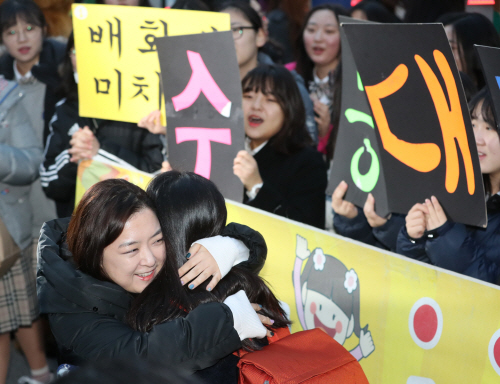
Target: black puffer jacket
{"type": "Point", "coordinates": [45, 71]}
{"type": "Point", "coordinates": [130, 143]}
{"type": "Point", "coordinates": [87, 315]}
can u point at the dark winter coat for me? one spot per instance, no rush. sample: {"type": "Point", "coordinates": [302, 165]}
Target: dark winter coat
{"type": "Point", "coordinates": [384, 237]}
{"type": "Point", "coordinates": [130, 143]}
{"type": "Point", "coordinates": [294, 185]}
{"type": "Point", "coordinates": [472, 251]}
{"type": "Point", "coordinates": [87, 316]}
{"type": "Point", "coordinates": [46, 71]}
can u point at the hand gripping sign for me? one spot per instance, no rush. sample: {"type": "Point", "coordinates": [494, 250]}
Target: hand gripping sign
{"type": "Point", "coordinates": [405, 129]}
{"type": "Point", "coordinates": [203, 105]}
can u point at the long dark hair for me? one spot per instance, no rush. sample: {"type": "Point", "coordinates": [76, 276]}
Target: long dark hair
{"type": "Point", "coordinates": [27, 10]}
{"type": "Point", "coordinates": [305, 65]}
{"type": "Point", "coordinates": [190, 208]}
{"type": "Point", "coordinates": [279, 82]}
{"type": "Point", "coordinates": [99, 219]}
{"type": "Point", "coordinates": [484, 97]}
{"type": "Point", "coordinates": [68, 87]}
{"type": "Point", "coordinates": [470, 29]}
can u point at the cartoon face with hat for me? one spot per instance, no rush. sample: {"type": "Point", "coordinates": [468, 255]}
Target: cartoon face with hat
{"type": "Point", "coordinates": [327, 296]}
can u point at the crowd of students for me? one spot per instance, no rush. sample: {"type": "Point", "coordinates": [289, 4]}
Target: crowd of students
{"type": "Point", "coordinates": [290, 62]}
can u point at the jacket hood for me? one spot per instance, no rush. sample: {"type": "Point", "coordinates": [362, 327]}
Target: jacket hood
{"type": "Point", "coordinates": [64, 289]}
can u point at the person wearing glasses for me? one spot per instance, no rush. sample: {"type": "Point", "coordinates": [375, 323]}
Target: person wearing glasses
{"type": "Point", "coordinates": [249, 38]}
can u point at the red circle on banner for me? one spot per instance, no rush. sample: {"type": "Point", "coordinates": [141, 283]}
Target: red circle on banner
{"type": "Point", "coordinates": [496, 351]}
{"type": "Point", "coordinates": [425, 323]}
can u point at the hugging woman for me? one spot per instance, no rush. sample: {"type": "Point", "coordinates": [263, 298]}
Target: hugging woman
{"type": "Point", "coordinates": [90, 273]}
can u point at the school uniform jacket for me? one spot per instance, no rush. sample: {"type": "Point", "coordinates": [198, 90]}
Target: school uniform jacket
{"type": "Point", "coordinates": [87, 316]}
{"type": "Point", "coordinates": [294, 185]}
{"type": "Point", "coordinates": [472, 251]}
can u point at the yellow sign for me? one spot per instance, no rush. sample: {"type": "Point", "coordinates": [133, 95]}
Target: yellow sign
{"type": "Point", "coordinates": [117, 63]}
{"type": "Point", "coordinates": [405, 321]}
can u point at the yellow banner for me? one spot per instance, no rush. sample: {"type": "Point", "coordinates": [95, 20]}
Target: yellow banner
{"type": "Point", "coordinates": [426, 325]}
{"type": "Point", "coordinates": [405, 321]}
{"type": "Point", "coordinates": [117, 63]}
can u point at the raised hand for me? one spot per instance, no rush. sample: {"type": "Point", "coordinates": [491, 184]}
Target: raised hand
{"type": "Point", "coordinates": [416, 221]}
{"type": "Point", "coordinates": [371, 216]}
{"type": "Point", "coordinates": [436, 216]}
{"type": "Point", "coordinates": [339, 205]}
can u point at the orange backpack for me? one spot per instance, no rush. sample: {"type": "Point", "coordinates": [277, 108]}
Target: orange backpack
{"type": "Point", "coordinates": [303, 357]}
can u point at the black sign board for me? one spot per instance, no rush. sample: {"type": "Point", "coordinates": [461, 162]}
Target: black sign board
{"type": "Point", "coordinates": [405, 132]}
{"type": "Point", "coordinates": [203, 98]}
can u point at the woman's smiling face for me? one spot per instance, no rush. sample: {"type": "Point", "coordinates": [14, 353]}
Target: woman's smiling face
{"type": "Point", "coordinates": [136, 256]}
{"type": "Point", "coordinates": [322, 38]}
{"type": "Point", "coordinates": [487, 143]}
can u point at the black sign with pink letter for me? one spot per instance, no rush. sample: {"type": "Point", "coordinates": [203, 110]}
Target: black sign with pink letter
{"type": "Point", "coordinates": [202, 88]}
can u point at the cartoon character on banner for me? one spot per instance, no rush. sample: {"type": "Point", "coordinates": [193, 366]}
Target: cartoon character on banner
{"type": "Point", "coordinates": [327, 296]}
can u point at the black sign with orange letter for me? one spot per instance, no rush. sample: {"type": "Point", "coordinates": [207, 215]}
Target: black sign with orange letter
{"type": "Point", "coordinates": [418, 113]}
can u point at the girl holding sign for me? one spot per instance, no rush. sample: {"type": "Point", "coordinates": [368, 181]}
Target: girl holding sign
{"type": "Point", "coordinates": [73, 138]}
{"type": "Point", "coordinates": [430, 237]}
{"type": "Point", "coordinates": [280, 171]}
